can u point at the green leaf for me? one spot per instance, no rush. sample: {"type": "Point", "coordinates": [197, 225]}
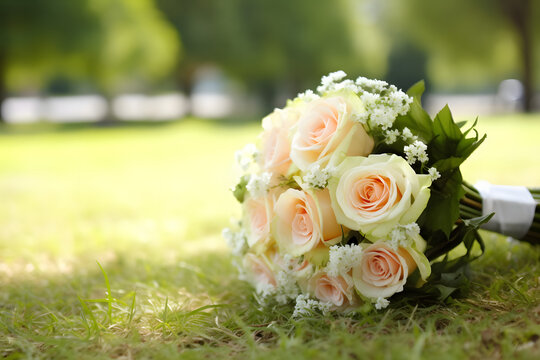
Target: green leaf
{"type": "Point", "coordinates": [471, 128]}
{"type": "Point", "coordinates": [448, 164]}
{"type": "Point", "coordinates": [444, 291]}
{"type": "Point", "coordinates": [442, 210]}
{"type": "Point", "coordinates": [461, 124]}
{"type": "Point", "coordinates": [466, 232]}
{"type": "Point", "coordinates": [444, 125]}
{"type": "Point", "coordinates": [467, 146]}
{"type": "Point", "coordinates": [239, 191]}
{"type": "Point", "coordinates": [417, 90]}
{"type": "Point", "coordinates": [418, 121]}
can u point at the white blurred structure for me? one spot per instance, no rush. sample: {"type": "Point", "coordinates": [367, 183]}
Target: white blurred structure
{"type": "Point", "coordinates": [212, 95]}
{"type": "Point", "coordinates": [461, 105]}
{"type": "Point", "coordinates": [508, 99]}
{"type": "Point", "coordinates": [136, 107]}
{"type": "Point", "coordinates": [211, 105]}
{"type": "Point", "coordinates": [88, 108]}
{"type": "Point", "coordinates": [22, 110]}
{"type": "Point", "coordinates": [92, 108]}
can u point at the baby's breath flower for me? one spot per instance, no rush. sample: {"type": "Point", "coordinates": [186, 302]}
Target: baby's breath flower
{"type": "Point", "coordinates": [265, 293]}
{"type": "Point", "coordinates": [402, 235]}
{"type": "Point", "coordinates": [381, 303]}
{"type": "Point", "coordinates": [342, 259]}
{"type": "Point", "coordinates": [407, 134]}
{"type": "Point", "coordinates": [369, 99]}
{"type": "Point", "coordinates": [345, 85]}
{"type": "Point", "coordinates": [236, 240]}
{"type": "Point", "coordinates": [383, 103]}
{"type": "Point", "coordinates": [423, 157]}
{"type": "Point", "coordinates": [258, 185]}
{"type": "Point", "coordinates": [308, 95]}
{"type": "Point", "coordinates": [371, 85]}
{"type": "Point", "coordinates": [382, 116]}
{"type": "Point", "coordinates": [317, 177]}
{"type": "Point", "coordinates": [434, 173]}
{"type": "Point", "coordinates": [328, 82]}
{"type": "Point", "coordinates": [286, 287]}
{"type": "Point", "coordinates": [399, 100]}
{"type": "Point", "coordinates": [246, 156]}
{"type": "Point", "coordinates": [391, 136]}
{"type": "Point", "coordinates": [416, 152]}
{"type": "Point", "coordinates": [306, 306]}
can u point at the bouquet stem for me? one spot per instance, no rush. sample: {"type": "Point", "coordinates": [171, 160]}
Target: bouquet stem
{"type": "Point", "coordinates": [471, 206]}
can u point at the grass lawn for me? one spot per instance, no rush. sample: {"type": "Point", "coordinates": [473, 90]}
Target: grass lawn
{"type": "Point", "coordinates": [147, 204]}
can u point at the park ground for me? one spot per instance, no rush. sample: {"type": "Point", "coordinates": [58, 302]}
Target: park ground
{"type": "Point", "coordinates": [110, 247]}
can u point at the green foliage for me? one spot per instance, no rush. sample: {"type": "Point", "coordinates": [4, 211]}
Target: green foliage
{"type": "Point", "coordinates": [135, 44]}
{"type": "Point", "coordinates": [239, 191]}
{"type": "Point", "coordinates": [108, 42]}
{"type": "Point", "coordinates": [483, 46]}
{"type": "Point", "coordinates": [276, 43]}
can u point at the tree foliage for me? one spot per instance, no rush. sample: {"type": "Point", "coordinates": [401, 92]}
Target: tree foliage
{"type": "Point", "coordinates": [290, 43]}
{"type": "Point", "coordinates": [472, 42]}
{"type": "Point", "coordinates": [107, 41]}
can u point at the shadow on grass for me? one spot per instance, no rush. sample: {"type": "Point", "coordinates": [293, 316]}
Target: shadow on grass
{"type": "Point", "coordinates": [66, 313]}
{"type": "Point", "coordinates": [198, 304]}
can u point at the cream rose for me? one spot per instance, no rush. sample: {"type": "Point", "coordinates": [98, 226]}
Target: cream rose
{"type": "Point", "coordinates": [304, 221]}
{"type": "Point", "coordinates": [276, 140]}
{"type": "Point", "coordinates": [327, 127]}
{"type": "Point", "coordinates": [337, 290]}
{"type": "Point", "coordinates": [259, 271]}
{"type": "Point", "coordinates": [258, 213]}
{"type": "Point", "coordinates": [382, 270]}
{"type": "Point", "coordinates": [374, 194]}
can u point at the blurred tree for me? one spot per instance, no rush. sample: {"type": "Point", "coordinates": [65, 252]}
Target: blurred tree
{"type": "Point", "coordinates": [107, 42]}
{"type": "Point", "coordinates": [473, 41]}
{"type": "Point", "coordinates": [135, 43]}
{"type": "Point", "coordinates": [33, 33]}
{"type": "Point", "coordinates": [136, 46]}
{"type": "Point", "coordinates": [279, 44]}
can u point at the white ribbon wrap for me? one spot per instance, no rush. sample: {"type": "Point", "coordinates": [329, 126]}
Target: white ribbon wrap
{"type": "Point", "coordinates": [513, 206]}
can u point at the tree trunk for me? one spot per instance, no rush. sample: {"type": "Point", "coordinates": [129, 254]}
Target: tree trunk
{"type": "Point", "coordinates": [3, 92]}
{"type": "Point", "coordinates": [519, 14]}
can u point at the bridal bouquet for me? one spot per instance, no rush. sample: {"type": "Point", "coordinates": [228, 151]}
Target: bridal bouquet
{"type": "Point", "coordinates": [352, 194]}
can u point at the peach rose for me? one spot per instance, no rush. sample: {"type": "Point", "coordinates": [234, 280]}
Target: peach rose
{"type": "Point", "coordinates": [327, 127]}
{"type": "Point", "coordinates": [382, 271]}
{"type": "Point", "coordinates": [304, 221]}
{"type": "Point", "coordinates": [276, 140]}
{"type": "Point", "coordinates": [258, 214]}
{"type": "Point", "coordinates": [259, 271]}
{"type": "Point", "coordinates": [337, 290]}
{"type": "Point", "coordinates": [374, 194]}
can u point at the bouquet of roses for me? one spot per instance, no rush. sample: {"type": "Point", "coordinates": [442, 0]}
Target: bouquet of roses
{"type": "Point", "coordinates": [353, 194]}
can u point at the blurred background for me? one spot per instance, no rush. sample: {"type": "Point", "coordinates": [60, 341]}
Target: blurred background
{"type": "Point", "coordinates": [121, 117]}
{"type": "Point", "coordinates": [157, 60]}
